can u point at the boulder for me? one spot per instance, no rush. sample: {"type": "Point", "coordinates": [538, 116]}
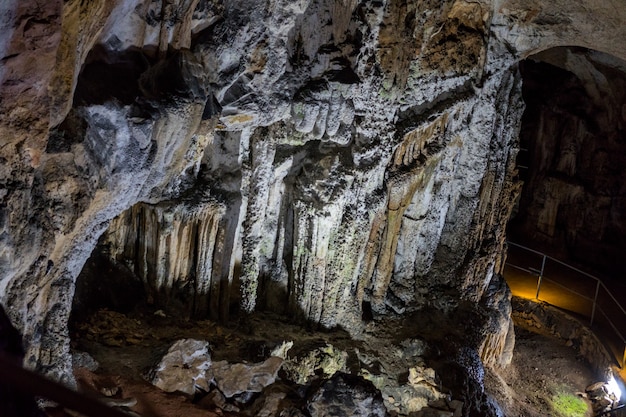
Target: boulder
{"type": "Point", "coordinates": [183, 368]}
{"type": "Point", "coordinates": [215, 399]}
{"type": "Point", "coordinates": [325, 360]}
{"type": "Point", "coordinates": [84, 360]}
{"type": "Point", "coordinates": [596, 390]}
{"type": "Point", "coordinates": [237, 378]}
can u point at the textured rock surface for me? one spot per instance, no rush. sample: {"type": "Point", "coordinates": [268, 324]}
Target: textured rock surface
{"type": "Point", "coordinates": [239, 378]}
{"type": "Point", "coordinates": [180, 251]}
{"type": "Point", "coordinates": [324, 361]}
{"type": "Point", "coordinates": [356, 159]}
{"type": "Point", "coordinates": [184, 367]}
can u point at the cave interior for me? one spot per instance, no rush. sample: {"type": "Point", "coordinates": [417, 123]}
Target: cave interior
{"type": "Point", "coordinates": [303, 208]}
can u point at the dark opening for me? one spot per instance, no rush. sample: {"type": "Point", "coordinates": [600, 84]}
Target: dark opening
{"type": "Point", "coordinates": [573, 158]}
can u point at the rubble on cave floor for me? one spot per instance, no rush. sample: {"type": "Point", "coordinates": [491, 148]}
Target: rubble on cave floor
{"type": "Point", "coordinates": [264, 365]}
{"type": "Point", "coordinates": [260, 365]}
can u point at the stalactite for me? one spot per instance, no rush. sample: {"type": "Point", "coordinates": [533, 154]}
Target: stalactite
{"type": "Point", "coordinates": [178, 253]}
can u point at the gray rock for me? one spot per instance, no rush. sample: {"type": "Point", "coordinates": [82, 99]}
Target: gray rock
{"type": "Point", "coordinates": [267, 406]}
{"type": "Point", "coordinates": [215, 399]}
{"type": "Point", "coordinates": [457, 406]}
{"type": "Point", "coordinates": [277, 400]}
{"type": "Point", "coordinates": [596, 389]}
{"type": "Point", "coordinates": [183, 368]}
{"type": "Point", "coordinates": [327, 110]}
{"type": "Point", "coordinates": [84, 360]}
{"type": "Point", "coordinates": [238, 378]}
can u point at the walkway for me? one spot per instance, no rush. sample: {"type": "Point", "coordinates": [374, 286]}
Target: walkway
{"type": "Point", "coordinates": [532, 274]}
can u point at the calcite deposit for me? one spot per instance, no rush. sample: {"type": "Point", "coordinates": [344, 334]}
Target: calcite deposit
{"type": "Point", "coordinates": [335, 161]}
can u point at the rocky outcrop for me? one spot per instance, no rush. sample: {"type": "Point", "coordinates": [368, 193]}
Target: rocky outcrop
{"type": "Point", "coordinates": [68, 180]}
{"type": "Point", "coordinates": [332, 160]}
{"type": "Point", "coordinates": [240, 378]}
{"type": "Point", "coordinates": [180, 252]}
{"type": "Point", "coordinates": [187, 368]}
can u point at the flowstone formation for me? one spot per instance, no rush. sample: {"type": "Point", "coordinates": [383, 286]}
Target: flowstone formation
{"type": "Point", "coordinates": [336, 162]}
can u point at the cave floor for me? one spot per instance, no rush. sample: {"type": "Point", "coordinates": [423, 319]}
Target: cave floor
{"type": "Point", "coordinates": [542, 374]}
{"type": "Point", "coordinates": [127, 345]}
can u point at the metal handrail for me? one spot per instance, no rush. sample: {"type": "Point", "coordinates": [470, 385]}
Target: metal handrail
{"type": "Point", "coordinates": [569, 289]}
{"type": "Point", "coordinates": [594, 300]}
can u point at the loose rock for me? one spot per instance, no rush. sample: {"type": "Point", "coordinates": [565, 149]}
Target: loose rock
{"type": "Point", "coordinates": [238, 378]}
{"type": "Point", "coordinates": [184, 367]}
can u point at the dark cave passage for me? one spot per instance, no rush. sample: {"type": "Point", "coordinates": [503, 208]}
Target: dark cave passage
{"type": "Point", "coordinates": [572, 207]}
{"type": "Point", "coordinates": [573, 152]}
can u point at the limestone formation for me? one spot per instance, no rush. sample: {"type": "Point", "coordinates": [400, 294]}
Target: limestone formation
{"type": "Point", "coordinates": [324, 361]}
{"type": "Point", "coordinates": [334, 161]}
{"type": "Point", "coordinates": [346, 395]}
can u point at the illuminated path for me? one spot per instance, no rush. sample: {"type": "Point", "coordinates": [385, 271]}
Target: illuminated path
{"type": "Point", "coordinates": [530, 273]}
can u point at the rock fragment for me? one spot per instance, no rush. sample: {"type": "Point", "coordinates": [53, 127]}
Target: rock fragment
{"type": "Point", "coordinates": [183, 368]}
{"type": "Point", "coordinates": [237, 378]}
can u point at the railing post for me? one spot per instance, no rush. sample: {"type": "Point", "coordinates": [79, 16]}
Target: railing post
{"type": "Point", "coordinates": [543, 265]}
{"type": "Point", "coordinates": [595, 301]}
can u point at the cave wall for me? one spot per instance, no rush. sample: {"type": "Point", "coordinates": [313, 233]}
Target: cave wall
{"type": "Point", "coordinates": [363, 151]}
{"type": "Point", "coordinates": [574, 196]}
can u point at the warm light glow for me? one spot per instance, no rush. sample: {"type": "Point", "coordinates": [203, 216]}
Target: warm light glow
{"type": "Point", "coordinates": [613, 388]}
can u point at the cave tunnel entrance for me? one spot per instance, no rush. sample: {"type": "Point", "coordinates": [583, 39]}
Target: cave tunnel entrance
{"type": "Point", "coordinates": [573, 203]}
{"type": "Point", "coordinates": [572, 158]}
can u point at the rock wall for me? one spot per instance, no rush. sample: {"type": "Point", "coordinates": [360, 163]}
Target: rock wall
{"type": "Point", "coordinates": [332, 195]}
{"type": "Point", "coordinates": [356, 155]}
